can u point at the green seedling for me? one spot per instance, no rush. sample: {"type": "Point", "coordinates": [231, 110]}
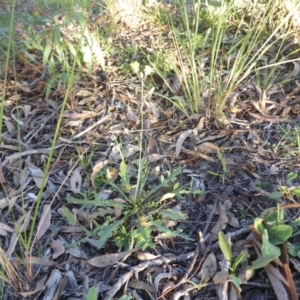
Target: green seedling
{"type": "Point", "coordinates": [140, 213]}
{"type": "Point", "coordinates": [287, 190]}
{"type": "Point", "coordinates": [233, 264]}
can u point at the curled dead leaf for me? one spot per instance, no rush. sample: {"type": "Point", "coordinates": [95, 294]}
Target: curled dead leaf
{"type": "Point", "coordinates": [181, 140]}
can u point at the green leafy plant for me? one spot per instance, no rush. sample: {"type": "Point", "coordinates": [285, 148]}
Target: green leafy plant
{"type": "Point", "coordinates": [274, 232]}
{"type": "Point", "coordinates": [137, 213]}
{"type": "Point", "coordinates": [233, 264]}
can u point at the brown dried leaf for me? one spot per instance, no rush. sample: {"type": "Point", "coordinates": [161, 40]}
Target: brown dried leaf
{"type": "Point", "coordinates": [2, 178]}
{"type": "Point", "coordinates": [118, 210]}
{"type": "Point", "coordinates": [37, 175]}
{"type": "Point", "coordinates": [145, 256]}
{"type": "Point", "coordinates": [97, 168]}
{"type": "Point", "coordinates": [10, 126]}
{"type": "Point", "coordinates": [131, 114]}
{"type": "Point", "coordinates": [112, 174]}
{"type": "Point", "coordinates": [108, 260]}
{"type": "Point", "coordinates": [291, 284]}
{"type": "Point", "coordinates": [277, 284]}
{"type": "Point", "coordinates": [161, 276]}
{"type": "Point", "coordinates": [84, 93]}
{"type": "Point", "coordinates": [233, 292]}
{"type": "Point", "coordinates": [293, 73]}
{"type": "Point", "coordinates": [40, 286]}
{"type": "Point", "coordinates": [220, 277]}
{"type": "Point", "coordinates": [181, 140]}
{"type": "Point", "coordinates": [44, 221]}
{"type": "Point", "coordinates": [3, 232]}
{"type": "Point", "coordinates": [209, 268]}
{"type": "Point", "coordinates": [176, 83]}
{"type": "Point", "coordinates": [61, 287]}
{"type": "Point", "coordinates": [232, 220]}
{"type": "Point", "coordinates": [76, 252]}
{"type": "Point", "coordinates": [52, 283]}
{"type": "Point", "coordinates": [76, 181]}
{"type": "Point", "coordinates": [151, 147]}
{"type": "Point", "coordinates": [208, 147]}
{"type": "Point", "coordinates": [39, 261]}
{"type": "Point", "coordinates": [220, 224]}
{"type": "Point", "coordinates": [58, 249]}
{"type": "Point", "coordinates": [6, 227]}
{"type": "Point", "coordinates": [141, 285]}
{"type": "Point", "coordinates": [155, 157]}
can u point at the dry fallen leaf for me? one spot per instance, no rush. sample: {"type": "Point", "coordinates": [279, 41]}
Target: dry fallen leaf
{"type": "Point", "coordinates": [131, 115]}
{"type": "Point", "coordinates": [144, 256]}
{"type": "Point", "coordinates": [293, 73]}
{"type": "Point", "coordinates": [39, 261]}
{"type": "Point", "coordinates": [221, 223]}
{"type": "Point", "coordinates": [141, 285]}
{"type": "Point", "coordinates": [209, 268]}
{"type": "Point", "coordinates": [109, 259]}
{"type": "Point", "coordinates": [176, 82]}
{"type": "Point", "coordinates": [97, 168]}
{"type": "Point", "coordinates": [118, 210]}
{"type": "Point", "coordinates": [155, 157]}
{"type": "Point", "coordinates": [161, 276]}
{"type": "Point", "coordinates": [52, 284]}
{"type": "Point", "coordinates": [58, 249]}
{"type": "Point", "coordinates": [2, 178]}
{"type": "Point", "coordinates": [181, 140]}
{"type": "Point", "coordinates": [37, 175]}
{"type": "Point", "coordinates": [44, 222]}
{"type": "Point", "coordinates": [6, 227]}
{"type": "Point", "coordinates": [40, 286]}
{"type": "Point", "coordinates": [76, 181]}
{"type": "Point", "coordinates": [207, 148]}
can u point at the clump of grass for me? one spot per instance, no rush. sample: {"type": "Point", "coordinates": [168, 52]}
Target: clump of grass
{"type": "Point", "coordinates": [225, 48]}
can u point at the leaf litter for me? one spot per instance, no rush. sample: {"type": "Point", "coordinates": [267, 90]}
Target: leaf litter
{"type": "Point", "coordinates": [267, 118]}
